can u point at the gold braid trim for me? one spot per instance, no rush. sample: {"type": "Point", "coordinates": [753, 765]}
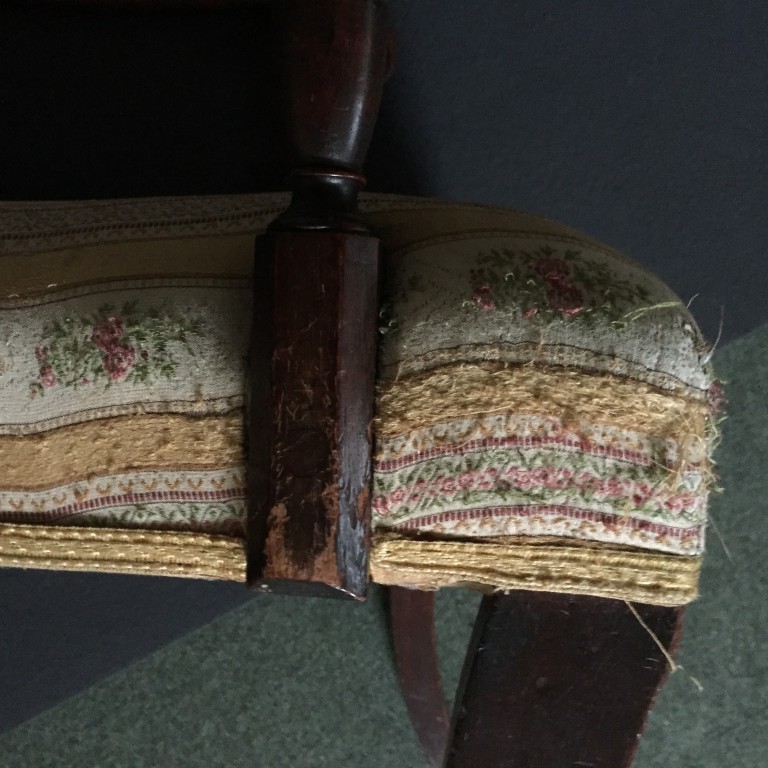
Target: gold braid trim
{"type": "Point", "coordinates": [466, 390]}
{"type": "Point", "coordinates": [156, 553]}
{"type": "Point", "coordinates": [542, 355]}
{"type": "Point", "coordinates": [642, 577]}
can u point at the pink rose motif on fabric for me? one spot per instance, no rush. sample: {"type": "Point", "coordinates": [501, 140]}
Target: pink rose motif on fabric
{"type": "Point", "coordinates": [567, 299]}
{"type": "Point", "coordinates": [554, 270]}
{"type": "Point", "coordinates": [48, 377]}
{"type": "Point", "coordinates": [130, 344]}
{"type": "Point", "coordinates": [562, 294]}
{"type": "Point", "coordinates": [107, 332]}
{"type": "Point", "coordinates": [554, 283]}
{"type": "Point", "coordinates": [119, 361]}
{"type": "Point", "coordinates": [483, 298]}
{"type": "Point", "coordinates": [118, 358]}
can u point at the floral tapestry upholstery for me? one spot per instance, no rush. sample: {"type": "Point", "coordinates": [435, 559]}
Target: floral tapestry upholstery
{"type": "Point", "coordinates": [544, 405]}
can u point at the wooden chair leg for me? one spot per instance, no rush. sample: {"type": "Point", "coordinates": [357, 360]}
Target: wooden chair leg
{"type": "Point", "coordinates": [412, 616]}
{"type": "Point", "coordinates": [550, 680]}
{"type": "Point", "coordinates": [315, 313]}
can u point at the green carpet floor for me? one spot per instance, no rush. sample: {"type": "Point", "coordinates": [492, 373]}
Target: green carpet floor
{"type": "Point", "coordinates": [288, 683]}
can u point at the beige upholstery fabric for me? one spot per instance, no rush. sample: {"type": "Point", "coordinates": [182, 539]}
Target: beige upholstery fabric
{"type": "Point", "coordinates": [536, 389]}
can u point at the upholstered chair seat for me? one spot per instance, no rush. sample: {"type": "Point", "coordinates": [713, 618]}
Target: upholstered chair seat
{"type": "Point", "coordinates": [544, 417]}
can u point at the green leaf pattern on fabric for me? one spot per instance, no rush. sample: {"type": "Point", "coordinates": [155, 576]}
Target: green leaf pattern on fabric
{"type": "Point", "coordinates": [224, 518]}
{"type": "Point", "coordinates": [550, 283]}
{"type": "Point", "coordinates": [504, 476]}
{"type": "Point", "coordinates": [130, 343]}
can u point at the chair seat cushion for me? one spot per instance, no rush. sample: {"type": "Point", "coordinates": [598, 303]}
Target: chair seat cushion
{"type": "Point", "coordinates": [541, 399]}
{"type": "Point", "coordinates": [543, 416]}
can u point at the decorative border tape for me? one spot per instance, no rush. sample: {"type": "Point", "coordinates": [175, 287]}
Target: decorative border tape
{"type": "Point", "coordinates": [637, 576]}
{"type": "Point", "coordinates": [551, 510]}
{"type": "Point", "coordinates": [462, 391]}
{"type": "Point", "coordinates": [162, 553]}
{"type": "Point", "coordinates": [147, 497]}
{"type": "Point", "coordinates": [480, 445]}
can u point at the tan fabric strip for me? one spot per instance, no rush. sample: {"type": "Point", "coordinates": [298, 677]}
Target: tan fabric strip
{"type": "Point", "coordinates": [542, 355]}
{"type": "Point", "coordinates": [28, 274]}
{"type": "Point", "coordinates": [402, 229]}
{"type": "Point", "coordinates": [463, 391]}
{"type": "Point", "coordinates": [160, 553]}
{"type": "Point", "coordinates": [218, 406]}
{"type": "Point", "coordinates": [111, 446]}
{"type": "Point", "coordinates": [642, 577]}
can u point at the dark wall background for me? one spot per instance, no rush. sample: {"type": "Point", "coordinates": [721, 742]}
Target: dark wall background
{"type": "Point", "coordinates": [642, 123]}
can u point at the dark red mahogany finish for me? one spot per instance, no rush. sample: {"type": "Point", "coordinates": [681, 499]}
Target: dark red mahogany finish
{"type": "Point", "coordinates": [559, 681]}
{"type": "Point", "coordinates": [549, 681]}
{"type": "Point", "coordinates": [313, 356]}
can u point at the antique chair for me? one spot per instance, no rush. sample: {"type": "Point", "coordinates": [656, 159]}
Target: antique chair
{"type": "Point", "coordinates": [507, 405]}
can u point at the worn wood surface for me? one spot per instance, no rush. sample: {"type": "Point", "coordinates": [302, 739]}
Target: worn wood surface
{"type": "Point", "coordinates": [412, 620]}
{"type": "Point", "coordinates": [313, 357]}
{"type": "Point", "coordinates": [559, 681]}
{"type": "Point", "coordinates": [311, 521]}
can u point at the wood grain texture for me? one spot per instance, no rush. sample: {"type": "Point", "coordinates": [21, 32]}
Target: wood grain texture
{"type": "Point", "coordinates": [311, 519]}
{"type": "Point", "coordinates": [313, 355]}
{"type": "Point", "coordinates": [558, 681]}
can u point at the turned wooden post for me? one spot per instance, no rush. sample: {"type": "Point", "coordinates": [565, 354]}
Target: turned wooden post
{"type": "Point", "coordinates": [313, 355]}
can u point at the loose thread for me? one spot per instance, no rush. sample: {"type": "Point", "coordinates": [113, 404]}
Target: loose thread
{"type": "Point", "coordinates": [638, 313]}
{"type": "Point", "coordinates": [720, 537]}
{"type": "Point", "coordinates": [719, 333]}
{"type": "Point", "coordinates": [673, 665]}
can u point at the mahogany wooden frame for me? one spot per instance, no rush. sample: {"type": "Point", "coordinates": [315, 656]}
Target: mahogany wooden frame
{"type": "Point", "coordinates": [549, 680]}
{"type": "Point", "coordinates": [313, 358]}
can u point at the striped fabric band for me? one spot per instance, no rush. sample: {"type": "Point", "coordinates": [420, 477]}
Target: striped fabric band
{"type": "Point", "coordinates": [543, 403]}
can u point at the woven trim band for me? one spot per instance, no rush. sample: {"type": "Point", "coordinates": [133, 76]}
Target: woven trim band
{"type": "Point", "coordinates": [161, 553]}
{"type": "Point", "coordinates": [461, 391]}
{"type": "Point", "coordinates": [642, 577]}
